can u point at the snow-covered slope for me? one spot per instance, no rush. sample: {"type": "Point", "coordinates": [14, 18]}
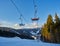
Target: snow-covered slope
{"type": "Point", "coordinates": [23, 42]}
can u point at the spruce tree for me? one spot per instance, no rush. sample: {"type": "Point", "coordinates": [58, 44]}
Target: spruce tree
{"type": "Point", "coordinates": [50, 23]}
{"type": "Point", "coordinates": [57, 27]}
{"type": "Point", "coordinates": [57, 20]}
{"type": "Point", "coordinates": [48, 28]}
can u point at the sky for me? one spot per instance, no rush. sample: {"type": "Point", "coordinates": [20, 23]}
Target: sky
{"type": "Point", "coordinates": [9, 14]}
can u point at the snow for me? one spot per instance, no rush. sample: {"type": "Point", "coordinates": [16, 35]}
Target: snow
{"type": "Point", "coordinates": [23, 42]}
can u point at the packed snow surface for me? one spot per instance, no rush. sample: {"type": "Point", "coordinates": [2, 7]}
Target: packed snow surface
{"type": "Point", "coordinates": [23, 42]}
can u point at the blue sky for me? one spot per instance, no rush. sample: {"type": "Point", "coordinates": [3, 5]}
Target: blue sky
{"type": "Point", "coordinates": [8, 12]}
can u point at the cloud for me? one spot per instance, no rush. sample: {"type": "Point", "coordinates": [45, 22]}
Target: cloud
{"type": "Point", "coordinates": [6, 23]}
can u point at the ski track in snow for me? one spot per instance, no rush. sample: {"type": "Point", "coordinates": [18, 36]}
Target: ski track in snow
{"type": "Point", "coordinates": [23, 42]}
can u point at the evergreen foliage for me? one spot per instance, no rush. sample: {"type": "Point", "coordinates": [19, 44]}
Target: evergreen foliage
{"type": "Point", "coordinates": [51, 29]}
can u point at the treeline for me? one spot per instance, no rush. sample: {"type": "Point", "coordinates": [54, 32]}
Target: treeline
{"type": "Point", "coordinates": [51, 29]}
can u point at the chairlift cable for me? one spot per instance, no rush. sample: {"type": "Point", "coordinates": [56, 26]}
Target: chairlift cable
{"type": "Point", "coordinates": [21, 16]}
{"type": "Point", "coordinates": [35, 12]}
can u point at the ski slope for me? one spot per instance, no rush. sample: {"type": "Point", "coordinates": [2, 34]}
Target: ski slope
{"type": "Point", "coordinates": [23, 42]}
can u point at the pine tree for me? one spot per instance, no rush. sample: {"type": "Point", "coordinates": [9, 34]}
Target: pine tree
{"type": "Point", "coordinates": [57, 27]}
{"type": "Point", "coordinates": [45, 33]}
{"type": "Point", "coordinates": [48, 28]}
{"type": "Point", "coordinates": [50, 23]}
{"type": "Point", "coordinates": [57, 20]}
{"type": "Point", "coordinates": [51, 29]}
